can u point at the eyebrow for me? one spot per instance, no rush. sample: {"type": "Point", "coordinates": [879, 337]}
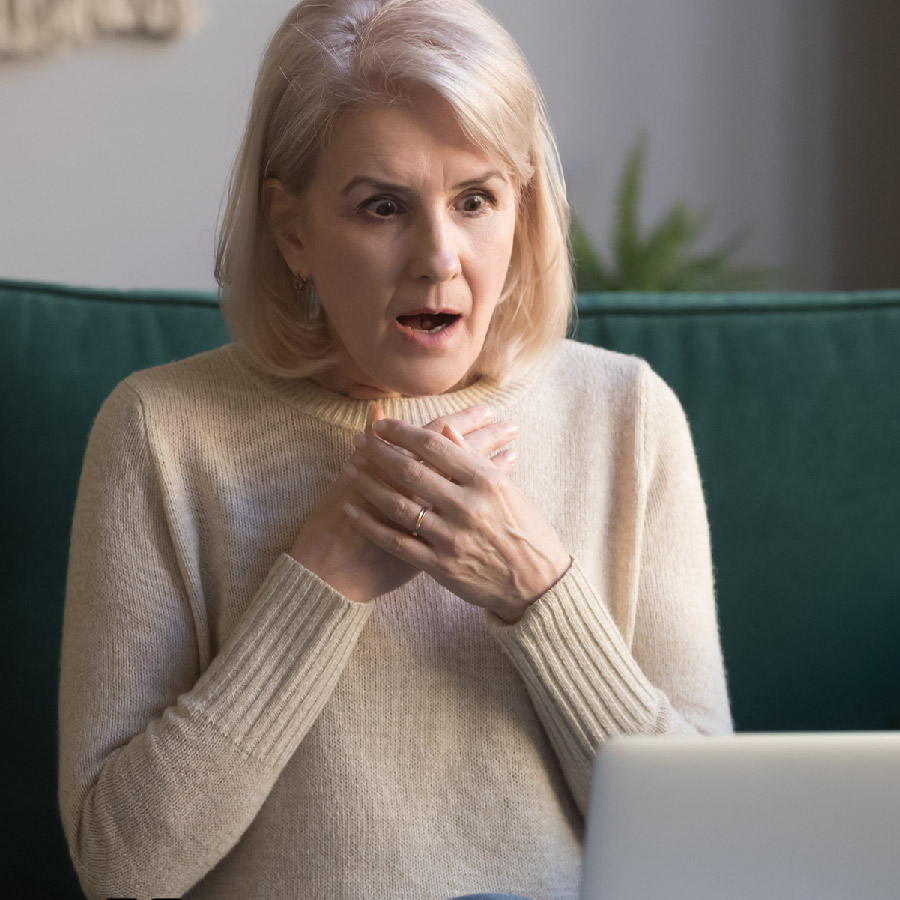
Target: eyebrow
{"type": "Point", "coordinates": [380, 185]}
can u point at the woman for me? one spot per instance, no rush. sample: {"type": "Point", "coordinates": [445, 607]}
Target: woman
{"type": "Point", "coordinates": [328, 633]}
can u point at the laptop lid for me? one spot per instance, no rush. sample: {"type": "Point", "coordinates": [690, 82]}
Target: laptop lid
{"type": "Point", "coordinates": [745, 817]}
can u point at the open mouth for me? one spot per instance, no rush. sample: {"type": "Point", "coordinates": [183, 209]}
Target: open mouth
{"type": "Point", "coordinates": [428, 323]}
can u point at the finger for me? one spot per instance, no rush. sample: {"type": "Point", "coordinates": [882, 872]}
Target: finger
{"type": "Point", "coordinates": [396, 506]}
{"type": "Point", "coordinates": [439, 453]}
{"type": "Point", "coordinates": [400, 544]}
{"type": "Point", "coordinates": [360, 463]}
{"type": "Point", "coordinates": [493, 437]}
{"type": "Point", "coordinates": [408, 474]}
{"type": "Point", "coordinates": [505, 460]}
{"type": "Point", "coordinates": [465, 421]}
{"type": "Point", "coordinates": [373, 414]}
{"type": "Point", "coordinates": [449, 432]}
{"type": "Point", "coordinates": [502, 434]}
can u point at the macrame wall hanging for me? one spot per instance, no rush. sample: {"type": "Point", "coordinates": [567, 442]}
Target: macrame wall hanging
{"type": "Point", "coordinates": [29, 27]}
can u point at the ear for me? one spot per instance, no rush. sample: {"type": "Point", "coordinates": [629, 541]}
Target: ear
{"type": "Point", "coordinates": [282, 214]}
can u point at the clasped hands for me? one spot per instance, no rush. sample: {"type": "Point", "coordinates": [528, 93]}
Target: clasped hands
{"type": "Point", "coordinates": [480, 536]}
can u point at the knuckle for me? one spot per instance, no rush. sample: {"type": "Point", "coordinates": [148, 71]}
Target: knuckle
{"type": "Point", "coordinates": [395, 545]}
{"type": "Point", "coordinates": [410, 471]}
{"type": "Point", "coordinates": [456, 545]}
{"type": "Point", "coordinates": [396, 509]}
{"type": "Point", "coordinates": [476, 519]}
{"type": "Point", "coordinates": [490, 479]}
{"type": "Point", "coordinates": [432, 443]}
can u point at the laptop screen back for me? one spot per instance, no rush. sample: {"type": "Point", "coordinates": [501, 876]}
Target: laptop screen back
{"type": "Point", "coordinates": [745, 817]}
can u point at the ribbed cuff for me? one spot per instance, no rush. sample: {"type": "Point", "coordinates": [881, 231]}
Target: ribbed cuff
{"type": "Point", "coordinates": [268, 684]}
{"type": "Point", "coordinates": [579, 672]}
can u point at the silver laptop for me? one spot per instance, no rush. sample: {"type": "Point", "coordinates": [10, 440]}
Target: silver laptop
{"type": "Point", "coordinates": [748, 817]}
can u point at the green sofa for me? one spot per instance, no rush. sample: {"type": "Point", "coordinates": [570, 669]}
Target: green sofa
{"type": "Point", "coordinates": [794, 402]}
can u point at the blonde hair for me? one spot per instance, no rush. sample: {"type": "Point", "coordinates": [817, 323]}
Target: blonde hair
{"type": "Point", "coordinates": [332, 55]}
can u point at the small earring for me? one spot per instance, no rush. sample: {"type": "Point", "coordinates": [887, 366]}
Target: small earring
{"type": "Point", "coordinates": [306, 298]}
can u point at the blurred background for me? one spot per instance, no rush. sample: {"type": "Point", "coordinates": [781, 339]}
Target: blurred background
{"type": "Point", "coordinates": [777, 116]}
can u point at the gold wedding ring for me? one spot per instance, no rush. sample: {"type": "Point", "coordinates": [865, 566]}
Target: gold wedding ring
{"type": "Point", "coordinates": [422, 511]}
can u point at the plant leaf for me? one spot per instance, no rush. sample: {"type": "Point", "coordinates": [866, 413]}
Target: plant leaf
{"type": "Point", "coordinates": [627, 234]}
{"type": "Point", "coordinates": [661, 261]}
{"type": "Point", "coordinates": [666, 248]}
{"type": "Point", "coordinates": [590, 272]}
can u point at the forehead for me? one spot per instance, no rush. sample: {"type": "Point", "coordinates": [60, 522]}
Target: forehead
{"type": "Point", "coordinates": [412, 142]}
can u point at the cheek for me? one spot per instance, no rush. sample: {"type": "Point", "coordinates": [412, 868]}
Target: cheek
{"type": "Point", "coordinates": [352, 277]}
{"type": "Point", "coordinates": [493, 252]}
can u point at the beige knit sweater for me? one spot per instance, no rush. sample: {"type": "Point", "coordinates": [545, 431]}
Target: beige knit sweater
{"type": "Point", "coordinates": [232, 727]}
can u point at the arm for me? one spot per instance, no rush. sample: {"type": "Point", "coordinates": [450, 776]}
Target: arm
{"type": "Point", "coordinates": [164, 762]}
{"type": "Point", "coordinates": [166, 756]}
{"type": "Point", "coordinates": [588, 681]}
{"type": "Point", "coordinates": [657, 671]}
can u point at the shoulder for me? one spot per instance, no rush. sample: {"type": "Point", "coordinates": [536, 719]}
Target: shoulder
{"type": "Point", "coordinates": [589, 374]}
{"type": "Point", "coordinates": [189, 390]}
{"type": "Point", "coordinates": [177, 397]}
{"type": "Point", "coordinates": [594, 390]}
{"type": "Point", "coordinates": [205, 375]}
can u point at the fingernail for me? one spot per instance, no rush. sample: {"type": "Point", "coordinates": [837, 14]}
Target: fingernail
{"type": "Point", "coordinates": [360, 441]}
{"type": "Point", "coordinates": [486, 412]}
{"type": "Point", "coordinates": [351, 511]}
{"type": "Point", "coordinates": [510, 428]}
{"type": "Point", "coordinates": [379, 426]}
{"type": "Point", "coordinates": [350, 469]}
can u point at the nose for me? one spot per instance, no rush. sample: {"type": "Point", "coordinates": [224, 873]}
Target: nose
{"type": "Point", "coordinates": [435, 256]}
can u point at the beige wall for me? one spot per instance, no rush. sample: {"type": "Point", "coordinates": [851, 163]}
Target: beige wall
{"type": "Point", "coordinates": [114, 156]}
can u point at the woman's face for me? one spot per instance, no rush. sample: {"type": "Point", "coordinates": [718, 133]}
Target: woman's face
{"type": "Point", "coordinates": [407, 231]}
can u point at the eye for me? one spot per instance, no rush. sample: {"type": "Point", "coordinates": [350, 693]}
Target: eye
{"type": "Point", "coordinates": [382, 207]}
{"type": "Point", "coordinates": [474, 202]}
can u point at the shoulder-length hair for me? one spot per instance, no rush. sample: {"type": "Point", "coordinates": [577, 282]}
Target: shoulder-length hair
{"type": "Point", "coordinates": [332, 55]}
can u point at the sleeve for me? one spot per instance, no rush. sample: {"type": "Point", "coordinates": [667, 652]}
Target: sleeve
{"type": "Point", "coordinates": [587, 682]}
{"type": "Point", "coordinates": [163, 766]}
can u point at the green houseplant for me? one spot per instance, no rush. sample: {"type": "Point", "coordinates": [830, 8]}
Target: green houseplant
{"type": "Point", "coordinates": [663, 259]}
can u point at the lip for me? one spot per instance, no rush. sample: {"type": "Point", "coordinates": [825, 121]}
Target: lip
{"type": "Point", "coordinates": [431, 311]}
{"type": "Point", "coordinates": [421, 339]}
